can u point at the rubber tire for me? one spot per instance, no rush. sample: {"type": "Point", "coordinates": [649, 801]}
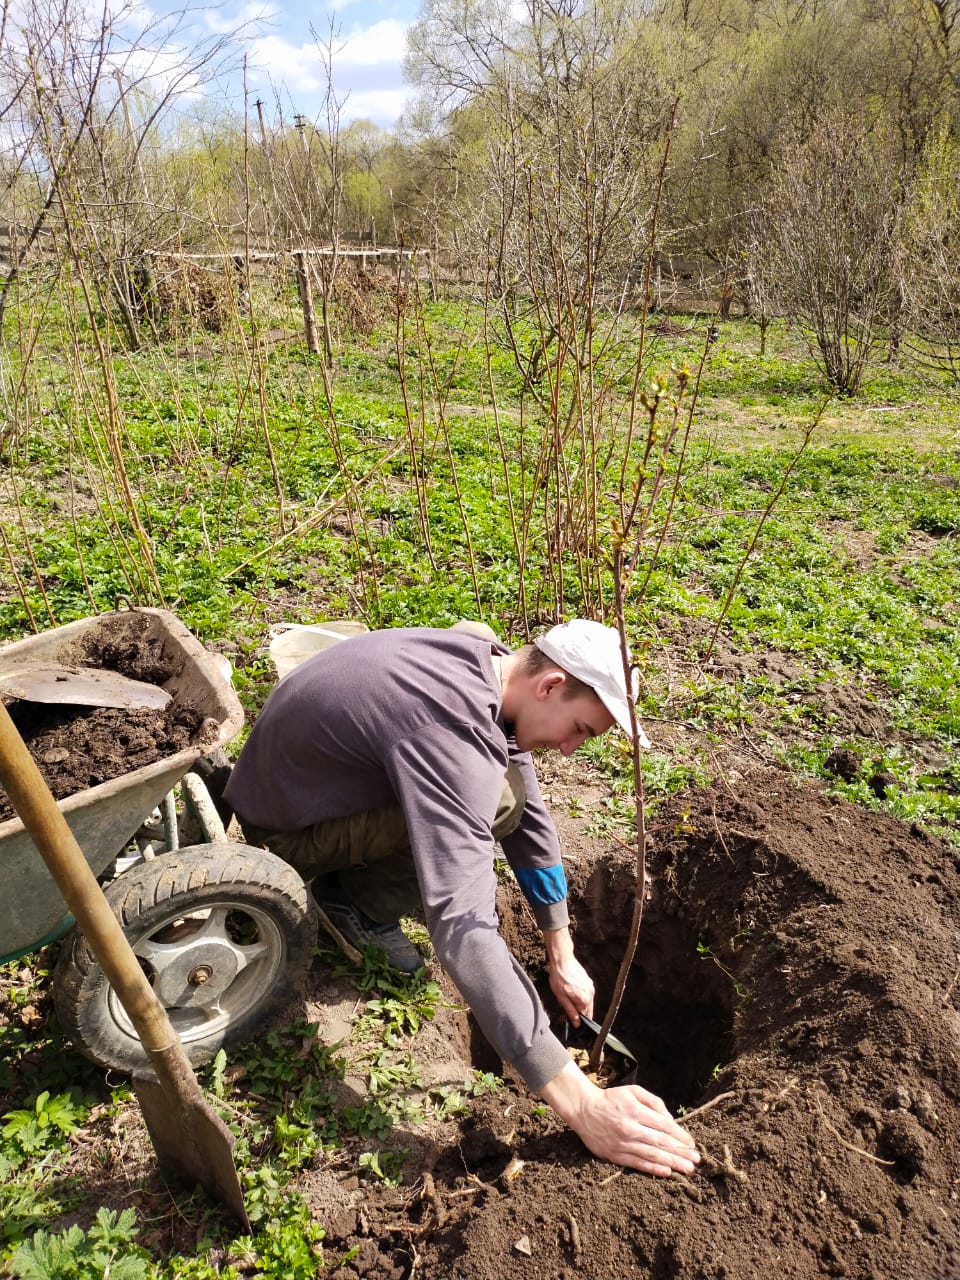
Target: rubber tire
{"type": "Point", "coordinates": [151, 897]}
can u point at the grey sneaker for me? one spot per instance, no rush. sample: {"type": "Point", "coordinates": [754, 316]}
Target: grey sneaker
{"type": "Point", "coordinates": [353, 931]}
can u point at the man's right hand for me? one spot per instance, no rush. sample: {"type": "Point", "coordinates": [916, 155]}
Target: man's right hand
{"type": "Point", "coordinates": [626, 1125]}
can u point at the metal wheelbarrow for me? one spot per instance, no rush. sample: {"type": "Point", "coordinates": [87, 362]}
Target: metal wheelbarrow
{"type": "Point", "coordinates": [222, 930]}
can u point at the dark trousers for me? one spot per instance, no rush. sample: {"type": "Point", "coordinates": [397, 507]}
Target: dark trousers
{"type": "Point", "coordinates": [370, 852]}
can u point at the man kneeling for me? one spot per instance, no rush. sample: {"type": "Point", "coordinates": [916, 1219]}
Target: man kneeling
{"type": "Point", "coordinates": [386, 769]}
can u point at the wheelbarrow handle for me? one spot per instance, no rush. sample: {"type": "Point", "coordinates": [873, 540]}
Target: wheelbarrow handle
{"type": "Point", "coordinates": [64, 858]}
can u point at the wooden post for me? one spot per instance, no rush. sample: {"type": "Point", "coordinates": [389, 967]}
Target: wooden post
{"type": "Point", "coordinates": [302, 270]}
{"type": "Point", "coordinates": [433, 262]}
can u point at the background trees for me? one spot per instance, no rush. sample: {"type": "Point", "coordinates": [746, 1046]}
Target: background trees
{"type": "Point", "coordinates": [824, 235]}
{"type": "Point", "coordinates": [800, 139]}
{"type": "Point", "coordinates": [555, 149]}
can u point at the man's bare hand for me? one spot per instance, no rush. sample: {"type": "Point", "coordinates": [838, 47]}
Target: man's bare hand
{"type": "Point", "coordinates": [569, 981]}
{"type": "Point", "coordinates": [632, 1127]}
{"type": "Point", "coordinates": [626, 1125]}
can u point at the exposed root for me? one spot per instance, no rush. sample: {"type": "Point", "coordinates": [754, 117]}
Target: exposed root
{"type": "Point", "coordinates": [430, 1194]}
{"type": "Point", "coordinates": [948, 994]}
{"type": "Point", "coordinates": [689, 1187]}
{"type": "Point", "coordinates": [719, 834]}
{"type": "Point", "coordinates": [850, 1146]}
{"type": "Point", "coordinates": [771, 1100]}
{"type": "Point", "coordinates": [725, 1167]}
{"type": "Point", "coordinates": [575, 1247]}
{"type": "Point", "coordinates": [469, 1191]}
{"type": "Point", "coordinates": [707, 1106]}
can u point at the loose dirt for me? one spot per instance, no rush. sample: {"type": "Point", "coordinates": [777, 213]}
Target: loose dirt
{"type": "Point", "coordinates": [798, 967]}
{"type": "Point", "coordinates": [79, 747]}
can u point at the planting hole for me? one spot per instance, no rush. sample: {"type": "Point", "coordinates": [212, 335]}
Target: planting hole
{"type": "Point", "coordinates": [676, 1016]}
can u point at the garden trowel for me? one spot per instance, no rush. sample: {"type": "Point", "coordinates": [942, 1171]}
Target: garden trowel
{"type": "Point", "coordinates": [187, 1134]}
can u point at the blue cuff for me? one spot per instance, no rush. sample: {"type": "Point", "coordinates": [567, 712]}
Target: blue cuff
{"type": "Point", "coordinates": [542, 885]}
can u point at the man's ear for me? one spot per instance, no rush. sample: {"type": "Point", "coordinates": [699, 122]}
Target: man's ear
{"type": "Point", "coordinates": [549, 681]}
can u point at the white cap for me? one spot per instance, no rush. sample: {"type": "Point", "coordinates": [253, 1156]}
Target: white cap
{"type": "Point", "coordinates": [591, 652]}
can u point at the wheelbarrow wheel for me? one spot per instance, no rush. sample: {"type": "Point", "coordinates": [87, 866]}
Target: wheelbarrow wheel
{"type": "Point", "coordinates": [224, 932]}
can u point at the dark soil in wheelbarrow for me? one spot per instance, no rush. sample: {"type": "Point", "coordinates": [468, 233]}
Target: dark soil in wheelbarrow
{"type": "Point", "coordinates": [77, 747]}
{"type": "Point", "coordinates": [798, 968]}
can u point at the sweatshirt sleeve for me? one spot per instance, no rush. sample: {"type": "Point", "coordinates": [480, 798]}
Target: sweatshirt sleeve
{"type": "Point", "coordinates": [533, 852]}
{"type": "Point", "coordinates": [448, 780]}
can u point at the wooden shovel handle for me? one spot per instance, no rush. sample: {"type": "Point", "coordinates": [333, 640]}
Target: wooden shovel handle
{"type": "Point", "coordinates": [58, 847]}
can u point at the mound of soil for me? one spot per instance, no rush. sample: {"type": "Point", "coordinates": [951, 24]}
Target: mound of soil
{"type": "Point", "coordinates": [798, 969]}
{"type": "Point", "coordinates": [80, 747]}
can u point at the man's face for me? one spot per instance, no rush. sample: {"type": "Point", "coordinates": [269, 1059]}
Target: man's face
{"type": "Point", "coordinates": [546, 719]}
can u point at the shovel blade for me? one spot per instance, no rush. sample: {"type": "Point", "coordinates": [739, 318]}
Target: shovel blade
{"type": "Point", "coordinates": [192, 1141]}
{"type": "Point", "coordinates": [81, 686]}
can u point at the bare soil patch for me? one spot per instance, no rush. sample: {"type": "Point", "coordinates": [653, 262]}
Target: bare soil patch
{"type": "Point", "coordinates": [842, 708]}
{"type": "Point", "coordinates": [798, 963]}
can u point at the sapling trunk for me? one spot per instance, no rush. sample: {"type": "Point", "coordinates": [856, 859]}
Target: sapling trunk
{"type": "Point", "coordinates": [637, 503]}
{"type": "Point", "coordinates": [640, 892]}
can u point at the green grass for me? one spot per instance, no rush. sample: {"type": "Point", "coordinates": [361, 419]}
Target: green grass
{"type": "Point", "coordinates": [279, 1095]}
{"type": "Point", "coordinates": [856, 573]}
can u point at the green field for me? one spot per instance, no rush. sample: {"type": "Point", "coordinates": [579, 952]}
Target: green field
{"type": "Point", "coordinates": [235, 481]}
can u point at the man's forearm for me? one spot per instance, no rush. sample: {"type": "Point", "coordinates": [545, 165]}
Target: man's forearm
{"type": "Point", "coordinates": [558, 945]}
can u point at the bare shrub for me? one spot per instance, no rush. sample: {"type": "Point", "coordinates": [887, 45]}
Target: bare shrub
{"type": "Point", "coordinates": [365, 298]}
{"type": "Point", "coordinates": [824, 237]}
{"type": "Point", "coordinates": [171, 292]}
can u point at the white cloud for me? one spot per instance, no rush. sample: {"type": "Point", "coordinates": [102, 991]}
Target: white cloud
{"type": "Point", "coordinates": [286, 59]}
{"type": "Point", "coordinates": [382, 106]}
{"type": "Point", "coordinates": [246, 16]}
{"type": "Point", "coordinates": [382, 44]}
{"type": "Point", "coordinates": [158, 71]}
{"type": "Point", "coordinates": [299, 68]}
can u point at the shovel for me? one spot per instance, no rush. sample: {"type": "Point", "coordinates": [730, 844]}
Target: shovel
{"type": "Point", "coordinates": [585, 1035]}
{"type": "Point", "coordinates": [80, 686]}
{"type": "Point", "coordinates": [187, 1134]}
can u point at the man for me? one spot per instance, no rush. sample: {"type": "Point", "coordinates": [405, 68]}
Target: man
{"type": "Point", "coordinates": [387, 767]}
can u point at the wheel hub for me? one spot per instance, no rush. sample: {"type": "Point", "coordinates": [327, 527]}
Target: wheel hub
{"type": "Point", "coordinates": [199, 976]}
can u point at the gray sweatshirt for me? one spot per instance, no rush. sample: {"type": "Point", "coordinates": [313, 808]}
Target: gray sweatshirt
{"type": "Point", "coordinates": [413, 716]}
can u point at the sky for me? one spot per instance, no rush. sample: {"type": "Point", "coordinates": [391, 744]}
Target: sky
{"type": "Point", "coordinates": [285, 64]}
{"type": "Point", "coordinates": [274, 51]}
